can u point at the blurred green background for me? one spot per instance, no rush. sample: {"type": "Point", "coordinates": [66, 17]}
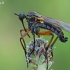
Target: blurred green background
{"type": "Point", "coordinates": [11, 53]}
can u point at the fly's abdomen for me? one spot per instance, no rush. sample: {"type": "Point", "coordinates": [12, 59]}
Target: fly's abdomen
{"type": "Point", "coordinates": [60, 34]}
{"type": "Point", "coordinates": [57, 31]}
{"type": "Point", "coordinates": [53, 28]}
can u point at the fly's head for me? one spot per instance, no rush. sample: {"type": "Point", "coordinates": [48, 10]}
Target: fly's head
{"type": "Point", "coordinates": [21, 17]}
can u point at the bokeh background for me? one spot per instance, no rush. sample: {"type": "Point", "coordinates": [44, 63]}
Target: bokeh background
{"type": "Point", "coordinates": [11, 53]}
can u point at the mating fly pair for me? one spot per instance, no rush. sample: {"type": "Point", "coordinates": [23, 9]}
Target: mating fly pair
{"type": "Point", "coordinates": [36, 21]}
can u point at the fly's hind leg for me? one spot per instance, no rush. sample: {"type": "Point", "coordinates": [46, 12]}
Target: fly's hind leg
{"type": "Point", "coordinates": [48, 33]}
{"type": "Point", "coordinates": [53, 44]}
{"type": "Point", "coordinates": [50, 42]}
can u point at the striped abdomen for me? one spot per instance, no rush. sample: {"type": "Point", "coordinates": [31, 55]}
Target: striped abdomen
{"type": "Point", "coordinates": [54, 29]}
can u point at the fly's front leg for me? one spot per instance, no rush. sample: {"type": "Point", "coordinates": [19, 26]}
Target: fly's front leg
{"type": "Point", "coordinates": [22, 39]}
{"type": "Point", "coordinates": [22, 30]}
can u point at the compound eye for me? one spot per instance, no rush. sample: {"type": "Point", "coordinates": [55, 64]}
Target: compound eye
{"type": "Point", "coordinates": [22, 15]}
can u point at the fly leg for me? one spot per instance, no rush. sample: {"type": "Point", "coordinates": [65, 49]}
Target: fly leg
{"type": "Point", "coordinates": [22, 39]}
{"type": "Point", "coordinates": [47, 33]}
{"type": "Point", "coordinates": [53, 44]}
{"type": "Point", "coordinates": [34, 44]}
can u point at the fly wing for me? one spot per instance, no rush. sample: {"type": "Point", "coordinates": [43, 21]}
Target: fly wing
{"type": "Point", "coordinates": [63, 25]}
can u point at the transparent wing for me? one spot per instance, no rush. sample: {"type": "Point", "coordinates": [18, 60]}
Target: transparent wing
{"type": "Point", "coordinates": [63, 25]}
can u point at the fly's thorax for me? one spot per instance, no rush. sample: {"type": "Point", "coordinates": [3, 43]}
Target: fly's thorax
{"type": "Point", "coordinates": [30, 18]}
